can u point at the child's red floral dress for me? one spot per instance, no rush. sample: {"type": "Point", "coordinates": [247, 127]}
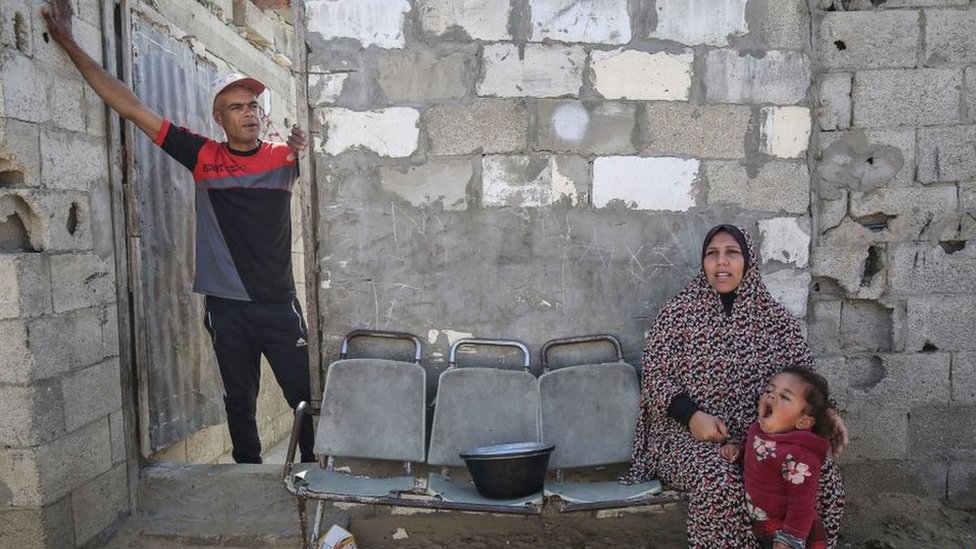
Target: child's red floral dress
{"type": "Point", "coordinates": [782, 472]}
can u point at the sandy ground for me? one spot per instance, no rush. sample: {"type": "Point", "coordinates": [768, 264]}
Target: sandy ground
{"type": "Point", "coordinates": [889, 521]}
{"type": "Point", "coordinates": [900, 521]}
{"type": "Point", "coordinates": [663, 530]}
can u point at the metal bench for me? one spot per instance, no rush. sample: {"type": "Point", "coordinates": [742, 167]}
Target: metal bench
{"type": "Point", "coordinates": [374, 409]}
{"type": "Point", "coordinates": [479, 407]}
{"type": "Point", "coordinates": [352, 425]}
{"type": "Point", "coordinates": [589, 412]}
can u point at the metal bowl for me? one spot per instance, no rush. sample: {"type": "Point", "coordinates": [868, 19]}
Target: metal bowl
{"type": "Point", "coordinates": [508, 471]}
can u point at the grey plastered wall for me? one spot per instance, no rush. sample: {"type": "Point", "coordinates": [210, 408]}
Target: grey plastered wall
{"type": "Point", "coordinates": [544, 168]}
{"type": "Point", "coordinates": [534, 169]}
{"type": "Point", "coordinates": [64, 412]}
{"type": "Point", "coordinates": [891, 313]}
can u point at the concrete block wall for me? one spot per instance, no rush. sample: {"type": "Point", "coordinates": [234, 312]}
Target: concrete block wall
{"type": "Point", "coordinates": [63, 468]}
{"type": "Point", "coordinates": [534, 169]}
{"type": "Point", "coordinates": [892, 303]}
{"type": "Point", "coordinates": [64, 453]}
{"type": "Point", "coordinates": [544, 168]}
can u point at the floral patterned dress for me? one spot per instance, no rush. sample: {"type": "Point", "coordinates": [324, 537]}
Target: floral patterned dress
{"type": "Point", "coordinates": [721, 361]}
{"type": "Point", "coordinates": [781, 474]}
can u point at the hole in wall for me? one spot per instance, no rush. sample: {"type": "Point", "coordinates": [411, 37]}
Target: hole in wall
{"type": "Point", "coordinates": [875, 222]}
{"type": "Point", "coordinates": [11, 178]}
{"type": "Point", "coordinates": [839, 44]}
{"type": "Point", "coordinates": [870, 161]}
{"type": "Point", "coordinates": [872, 266]}
{"type": "Point", "coordinates": [952, 246]}
{"type": "Point", "coordinates": [21, 37]}
{"type": "Point", "coordinates": [45, 37]}
{"type": "Point", "coordinates": [72, 221]}
{"type": "Point", "coordinates": [866, 372]}
{"type": "Point", "coordinates": [827, 288]}
{"type": "Point", "coordinates": [14, 237]}
{"type": "Point", "coordinates": [929, 347]}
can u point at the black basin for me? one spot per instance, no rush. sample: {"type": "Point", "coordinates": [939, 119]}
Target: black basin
{"type": "Point", "coordinates": [508, 471]}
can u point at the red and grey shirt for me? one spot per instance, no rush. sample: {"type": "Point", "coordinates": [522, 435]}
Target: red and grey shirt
{"type": "Point", "coordinates": [243, 217]}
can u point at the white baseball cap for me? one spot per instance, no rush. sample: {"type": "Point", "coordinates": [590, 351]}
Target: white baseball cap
{"type": "Point", "coordinates": [234, 79]}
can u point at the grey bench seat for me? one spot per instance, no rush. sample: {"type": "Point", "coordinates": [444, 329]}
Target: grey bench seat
{"type": "Point", "coordinates": [589, 412]}
{"type": "Point", "coordinates": [478, 407]}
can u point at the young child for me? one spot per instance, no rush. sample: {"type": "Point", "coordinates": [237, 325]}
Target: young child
{"type": "Point", "coordinates": [782, 456]}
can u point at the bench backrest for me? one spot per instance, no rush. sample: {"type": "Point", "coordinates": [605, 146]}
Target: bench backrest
{"type": "Point", "coordinates": [479, 407]}
{"type": "Point", "coordinates": [374, 409]}
{"type": "Point", "coordinates": [589, 412]}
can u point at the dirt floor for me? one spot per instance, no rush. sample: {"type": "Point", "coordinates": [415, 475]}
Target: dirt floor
{"type": "Point", "coordinates": [890, 521]}
{"type": "Point", "coordinates": [900, 521]}
{"type": "Point", "coordinates": [664, 529]}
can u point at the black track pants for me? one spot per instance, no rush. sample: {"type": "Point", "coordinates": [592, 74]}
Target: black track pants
{"type": "Point", "coordinates": [241, 332]}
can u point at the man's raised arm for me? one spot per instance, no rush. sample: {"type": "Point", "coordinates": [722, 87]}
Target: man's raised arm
{"type": "Point", "coordinates": [114, 92]}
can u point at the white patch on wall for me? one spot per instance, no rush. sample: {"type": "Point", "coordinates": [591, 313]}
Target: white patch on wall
{"type": "Point", "coordinates": [588, 21]}
{"type": "Point", "coordinates": [791, 288]}
{"type": "Point", "coordinates": [631, 74]}
{"type": "Point", "coordinates": [378, 22]}
{"type": "Point", "coordinates": [400, 533]}
{"type": "Point", "coordinates": [695, 22]}
{"type": "Point", "coordinates": [540, 70]}
{"type": "Point", "coordinates": [660, 183]}
{"type": "Point", "coordinates": [453, 337]}
{"type": "Point", "coordinates": [785, 131]}
{"type": "Point", "coordinates": [570, 122]}
{"type": "Point", "coordinates": [524, 181]}
{"type": "Point", "coordinates": [562, 185]}
{"type": "Point", "coordinates": [480, 19]}
{"type": "Point", "coordinates": [781, 77]}
{"type": "Point", "coordinates": [324, 89]}
{"type": "Point", "coordinates": [392, 132]}
{"type": "Point", "coordinates": [785, 239]}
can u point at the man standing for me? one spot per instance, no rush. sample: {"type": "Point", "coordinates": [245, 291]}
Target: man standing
{"type": "Point", "coordinates": [243, 247]}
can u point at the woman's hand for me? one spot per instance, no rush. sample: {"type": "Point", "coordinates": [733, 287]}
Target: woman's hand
{"type": "Point", "coordinates": [838, 438]}
{"type": "Point", "coordinates": [707, 427]}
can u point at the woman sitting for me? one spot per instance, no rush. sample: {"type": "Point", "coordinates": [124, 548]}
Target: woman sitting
{"type": "Point", "coordinates": [708, 356]}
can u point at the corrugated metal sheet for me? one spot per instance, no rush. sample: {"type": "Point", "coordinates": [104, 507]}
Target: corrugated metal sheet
{"type": "Point", "coordinates": [184, 391]}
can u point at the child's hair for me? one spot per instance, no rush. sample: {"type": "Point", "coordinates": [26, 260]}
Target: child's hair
{"type": "Point", "coordinates": [817, 397]}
